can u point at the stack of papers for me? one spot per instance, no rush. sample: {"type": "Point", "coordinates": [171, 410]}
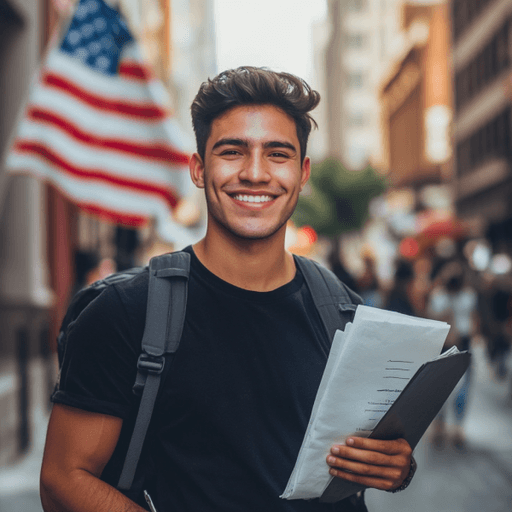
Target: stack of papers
{"type": "Point", "coordinates": [413, 411]}
{"type": "Point", "coordinates": [369, 365]}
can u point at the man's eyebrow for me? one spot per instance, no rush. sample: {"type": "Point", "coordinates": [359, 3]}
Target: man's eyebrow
{"type": "Point", "coordinates": [230, 142]}
{"type": "Point", "coordinates": [244, 143]}
{"type": "Point", "coordinates": [280, 144]}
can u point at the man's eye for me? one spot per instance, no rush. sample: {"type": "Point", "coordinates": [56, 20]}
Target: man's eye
{"type": "Point", "coordinates": [278, 155]}
{"type": "Point", "coordinates": [230, 152]}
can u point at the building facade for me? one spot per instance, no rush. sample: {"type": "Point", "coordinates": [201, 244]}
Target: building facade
{"type": "Point", "coordinates": [416, 101]}
{"type": "Point", "coordinates": [482, 46]}
{"type": "Point", "coordinates": [357, 40]}
{"type": "Point", "coordinates": [26, 294]}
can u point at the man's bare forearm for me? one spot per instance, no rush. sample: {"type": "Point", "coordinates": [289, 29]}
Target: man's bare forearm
{"type": "Point", "coordinates": [81, 491]}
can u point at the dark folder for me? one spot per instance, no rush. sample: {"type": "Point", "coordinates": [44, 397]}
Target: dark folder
{"type": "Point", "coordinates": [412, 412]}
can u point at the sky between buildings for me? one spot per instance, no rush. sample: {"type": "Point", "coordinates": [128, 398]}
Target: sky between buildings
{"type": "Point", "coordinates": [272, 33]}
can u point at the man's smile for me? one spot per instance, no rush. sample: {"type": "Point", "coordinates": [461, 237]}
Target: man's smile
{"type": "Point", "coordinates": [252, 198]}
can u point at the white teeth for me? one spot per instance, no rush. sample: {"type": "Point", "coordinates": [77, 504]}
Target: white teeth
{"type": "Point", "coordinates": [252, 199]}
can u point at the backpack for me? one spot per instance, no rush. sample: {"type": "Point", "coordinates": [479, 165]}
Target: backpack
{"type": "Point", "coordinates": [165, 315]}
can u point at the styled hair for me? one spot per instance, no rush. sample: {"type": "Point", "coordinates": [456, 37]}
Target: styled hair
{"type": "Point", "coordinates": [249, 85]}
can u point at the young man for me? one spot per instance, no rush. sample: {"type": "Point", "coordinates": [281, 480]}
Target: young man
{"type": "Point", "coordinates": [233, 410]}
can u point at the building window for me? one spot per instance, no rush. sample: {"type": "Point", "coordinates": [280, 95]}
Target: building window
{"type": "Point", "coordinates": [382, 41]}
{"type": "Point", "coordinates": [489, 142]}
{"type": "Point", "coordinates": [356, 119]}
{"type": "Point", "coordinates": [355, 80]}
{"type": "Point", "coordinates": [464, 13]}
{"type": "Point", "coordinates": [357, 155]}
{"type": "Point", "coordinates": [356, 41]}
{"type": "Point", "coordinates": [356, 5]}
{"type": "Point", "coordinates": [484, 68]}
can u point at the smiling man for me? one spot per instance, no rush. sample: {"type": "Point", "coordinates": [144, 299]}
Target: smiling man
{"type": "Point", "coordinates": [233, 410]}
{"type": "Point", "coordinates": [255, 171]}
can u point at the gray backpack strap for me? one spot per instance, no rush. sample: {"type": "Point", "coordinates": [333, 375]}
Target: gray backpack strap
{"type": "Point", "coordinates": [335, 302]}
{"type": "Point", "coordinates": [165, 316]}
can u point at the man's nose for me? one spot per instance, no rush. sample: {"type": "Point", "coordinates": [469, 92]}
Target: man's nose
{"type": "Point", "coordinates": [255, 169]}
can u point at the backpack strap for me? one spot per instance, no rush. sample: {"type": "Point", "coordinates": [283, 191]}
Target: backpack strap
{"type": "Point", "coordinates": [335, 302]}
{"type": "Point", "coordinates": [165, 316]}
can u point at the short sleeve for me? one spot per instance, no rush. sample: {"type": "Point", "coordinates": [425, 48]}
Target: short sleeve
{"type": "Point", "coordinates": [100, 361]}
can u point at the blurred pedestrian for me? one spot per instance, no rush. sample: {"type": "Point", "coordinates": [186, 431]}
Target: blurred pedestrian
{"type": "Point", "coordinates": [399, 298]}
{"type": "Point", "coordinates": [495, 304]}
{"type": "Point", "coordinates": [368, 283]}
{"type": "Point", "coordinates": [336, 264]}
{"type": "Point", "coordinates": [421, 285]}
{"type": "Point", "coordinates": [455, 302]}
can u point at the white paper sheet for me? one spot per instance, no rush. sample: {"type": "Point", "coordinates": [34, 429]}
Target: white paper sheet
{"type": "Point", "coordinates": [368, 367]}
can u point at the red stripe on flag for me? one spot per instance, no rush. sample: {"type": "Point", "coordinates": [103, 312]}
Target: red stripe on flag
{"type": "Point", "coordinates": [134, 70]}
{"type": "Point", "coordinates": [145, 111]}
{"type": "Point", "coordinates": [152, 151]}
{"type": "Point", "coordinates": [24, 146]}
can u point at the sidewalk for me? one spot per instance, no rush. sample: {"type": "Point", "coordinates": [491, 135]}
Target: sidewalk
{"type": "Point", "coordinates": [19, 483]}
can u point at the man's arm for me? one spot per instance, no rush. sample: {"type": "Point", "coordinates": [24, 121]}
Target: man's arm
{"type": "Point", "coordinates": [78, 446]}
{"type": "Point", "coordinates": [372, 462]}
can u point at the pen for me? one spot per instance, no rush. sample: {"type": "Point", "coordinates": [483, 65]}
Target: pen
{"type": "Point", "coordinates": [149, 502]}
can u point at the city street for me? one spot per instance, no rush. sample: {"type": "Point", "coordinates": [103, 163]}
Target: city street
{"type": "Point", "coordinates": [371, 136]}
{"type": "Point", "coordinates": [478, 479]}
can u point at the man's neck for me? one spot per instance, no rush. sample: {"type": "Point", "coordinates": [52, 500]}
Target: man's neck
{"type": "Point", "coordinates": [258, 265]}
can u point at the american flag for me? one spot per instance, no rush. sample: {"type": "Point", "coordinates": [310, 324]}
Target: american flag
{"type": "Point", "coordinates": [95, 125]}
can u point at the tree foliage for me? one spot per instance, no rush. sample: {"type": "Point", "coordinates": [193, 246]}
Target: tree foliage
{"type": "Point", "coordinates": [336, 200]}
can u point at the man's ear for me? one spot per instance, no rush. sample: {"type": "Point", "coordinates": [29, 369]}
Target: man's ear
{"type": "Point", "coordinates": [196, 168]}
{"type": "Point", "coordinates": [306, 172]}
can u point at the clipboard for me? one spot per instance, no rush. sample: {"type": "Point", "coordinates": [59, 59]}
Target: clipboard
{"type": "Point", "coordinates": [412, 412]}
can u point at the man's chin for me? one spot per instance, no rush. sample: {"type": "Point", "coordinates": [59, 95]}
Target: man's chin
{"type": "Point", "coordinates": [254, 234]}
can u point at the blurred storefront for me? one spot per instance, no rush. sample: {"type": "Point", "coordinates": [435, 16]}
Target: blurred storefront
{"type": "Point", "coordinates": [482, 64]}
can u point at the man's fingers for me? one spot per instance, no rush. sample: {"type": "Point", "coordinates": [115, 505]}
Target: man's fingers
{"type": "Point", "coordinates": [389, 447]}
{"type": "Point", "coordinates": [383, 484]}
{"type": "Point", "coordinates": [371, 457]}
{"type": "Point", "coordinates": [361, 469]}
{"type": "Point", "coordinates": [367, 457]}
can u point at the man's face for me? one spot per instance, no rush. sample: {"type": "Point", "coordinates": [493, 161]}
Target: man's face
{"type": "Point", "coordinates": [252, 174]}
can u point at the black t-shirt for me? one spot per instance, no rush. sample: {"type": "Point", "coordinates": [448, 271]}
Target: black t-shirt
{"type": "Point", "coordinates": [234, 406]}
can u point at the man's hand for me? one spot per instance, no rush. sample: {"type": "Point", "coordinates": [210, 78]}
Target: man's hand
{"type": "Point", "coordinates": [371, 462]}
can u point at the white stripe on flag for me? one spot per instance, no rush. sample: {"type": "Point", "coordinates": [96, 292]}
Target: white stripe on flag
{"type": "Point", "coordinates": [83, 156]}
{"type": "Point", "coordinates": [81, 115]}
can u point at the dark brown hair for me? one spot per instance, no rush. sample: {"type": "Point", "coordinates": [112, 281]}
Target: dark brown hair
{"type": "Point", "coordinates": [249, 85]}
